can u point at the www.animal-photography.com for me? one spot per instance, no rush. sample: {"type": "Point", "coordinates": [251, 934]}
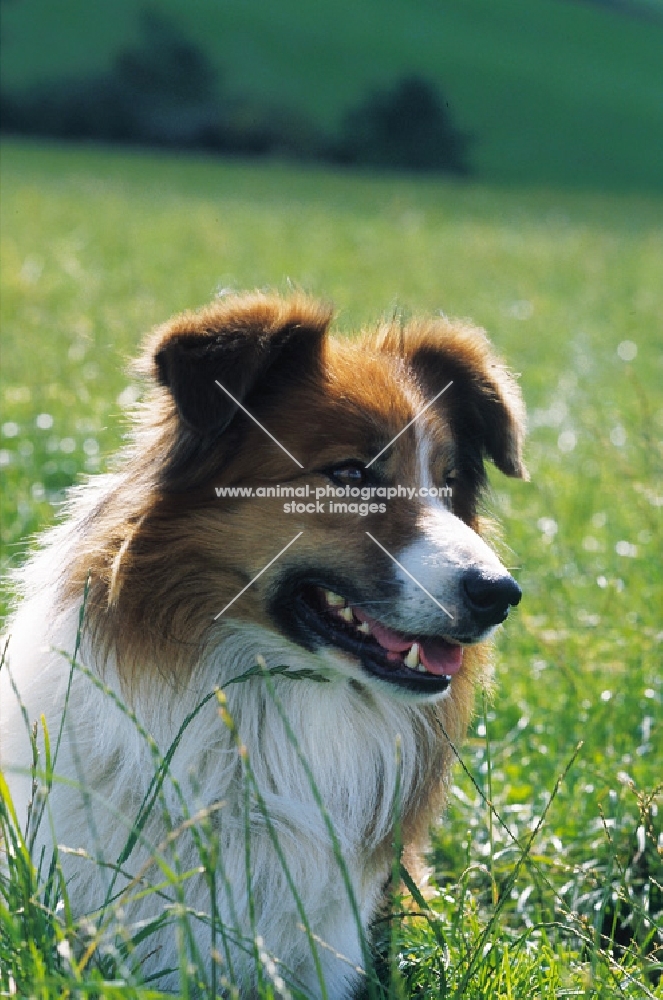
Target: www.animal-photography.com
{"type": "Point", "coordinates": [331, 527]}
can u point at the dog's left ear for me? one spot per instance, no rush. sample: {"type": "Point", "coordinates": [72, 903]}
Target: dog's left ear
{"type": "Point", "coordinates": [484, 403]}
{"type": "Point", "coordinates": [247, 343]}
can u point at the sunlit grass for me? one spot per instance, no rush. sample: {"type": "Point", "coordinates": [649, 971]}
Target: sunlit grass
{"type": "Point", "coordinates": [97, 247]}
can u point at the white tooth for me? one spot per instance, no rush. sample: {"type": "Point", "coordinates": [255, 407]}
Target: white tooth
{"type": "Point", "coordinates": [421, 668]}
{"type": "Point", "coordinates": [412, 658]}
{"type": "Point", "coordinates": [365, 628]}
{"type": "Point", "coordinates": [346, 614]}
{"type": "Point", "coordinates": [334, 600]}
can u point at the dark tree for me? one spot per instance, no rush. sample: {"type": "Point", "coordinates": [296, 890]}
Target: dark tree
{"type": "Point", "coordinates": [407, 126]}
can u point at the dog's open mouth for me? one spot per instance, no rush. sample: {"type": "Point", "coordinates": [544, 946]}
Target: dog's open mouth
{"type": "Point", "coordinates": [424, 664]}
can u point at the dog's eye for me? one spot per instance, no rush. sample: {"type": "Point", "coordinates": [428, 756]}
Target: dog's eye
{"type": "Point", "coordinates": [451, 481]}
{"type": "Point", "coordinates": [350, 474]}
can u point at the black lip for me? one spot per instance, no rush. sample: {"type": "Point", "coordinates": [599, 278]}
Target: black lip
{"type": "Point", "coordinates": [404, 678]}
{"type": "Point", "coordinates": [310, 621]}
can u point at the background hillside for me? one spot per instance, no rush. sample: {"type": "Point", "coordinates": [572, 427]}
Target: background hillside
{"type": "Point", "coordinates": [550, 92]}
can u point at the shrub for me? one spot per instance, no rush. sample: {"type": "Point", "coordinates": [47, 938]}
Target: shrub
{"type": "Point", "coordinates": [408, 127]}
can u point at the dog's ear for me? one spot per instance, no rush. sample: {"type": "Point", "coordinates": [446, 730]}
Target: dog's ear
{"type": "Point", "coordinates": [483, 404]}
{"type": "Point", "coordinates": [243, 342]}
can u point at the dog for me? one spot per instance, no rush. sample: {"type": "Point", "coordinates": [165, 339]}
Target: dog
{"type": "Point", "coordinates": [344, 645]}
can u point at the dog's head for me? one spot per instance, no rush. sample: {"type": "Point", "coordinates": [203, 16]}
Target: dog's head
{"type": "Point", "coordinates": [384, 587]}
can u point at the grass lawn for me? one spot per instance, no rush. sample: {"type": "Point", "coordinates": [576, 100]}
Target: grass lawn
{"type": "Point", "coordinates": [98, 246]}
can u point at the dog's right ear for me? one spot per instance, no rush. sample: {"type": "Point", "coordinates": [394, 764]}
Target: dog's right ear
{"type": "Point", "coordinates": [243, 342]}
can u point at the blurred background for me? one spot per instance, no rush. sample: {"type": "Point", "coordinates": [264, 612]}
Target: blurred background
{"type": "Point", "coordinates": [551, 91]}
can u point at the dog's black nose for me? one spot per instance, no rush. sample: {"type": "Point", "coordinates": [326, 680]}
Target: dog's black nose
{"type": "Point", "coordinates": [489, 597]}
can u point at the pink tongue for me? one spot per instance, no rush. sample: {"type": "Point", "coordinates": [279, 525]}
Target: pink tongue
{"type": "Point", "coordinates": [438, 657]}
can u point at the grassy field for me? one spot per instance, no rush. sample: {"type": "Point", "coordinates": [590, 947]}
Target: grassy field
{"type": "Point", "coordinates": [98, 246]}
{"type": "Point", "coordinates": [554, 91]}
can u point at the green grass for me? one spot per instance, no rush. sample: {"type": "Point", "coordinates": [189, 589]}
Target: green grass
{"type": "Point", "coordinates": [98, 246]}
{"type": "Point", "coordinates": [554, 91]}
